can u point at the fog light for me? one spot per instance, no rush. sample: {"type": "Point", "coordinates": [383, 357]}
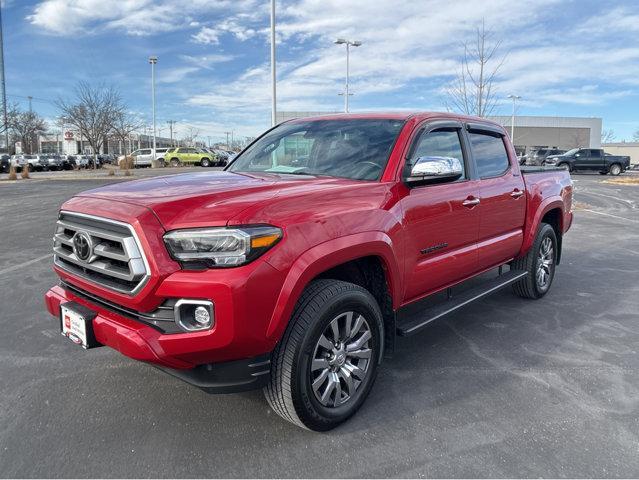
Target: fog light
{"type": "Point", "coordinates": [194, 315]}
{"type": "Point", "coordinates": [202, 316]}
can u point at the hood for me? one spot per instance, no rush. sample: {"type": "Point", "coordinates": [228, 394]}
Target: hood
{"type": "Point", "coordinates": [193, 200]}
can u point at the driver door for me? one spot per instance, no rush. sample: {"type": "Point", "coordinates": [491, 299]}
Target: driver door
{"type": "Point", "coordinates": [441, 221]}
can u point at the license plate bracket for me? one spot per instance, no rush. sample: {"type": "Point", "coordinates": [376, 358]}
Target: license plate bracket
{"type": "Point", "coordinates": [76, 323]}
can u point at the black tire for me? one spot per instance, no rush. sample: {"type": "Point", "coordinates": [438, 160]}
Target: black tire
{"type": "Point", "coordinates": [615, 169]}
{"type": "Point", "coordinates": [565, 165]}
{"type": "Point", "coordinates": [205, 162]}
{"type": "Point", "coordinates": [529, 286]}
{"type": "Point", "coordinates": [175, 162]}
{"type": "Point", "coordinates": [603, 173]}
{"type": "Point", "coordinates": [289, 392]}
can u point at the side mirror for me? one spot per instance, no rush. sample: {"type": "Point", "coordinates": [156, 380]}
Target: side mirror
{"type": "Point", "coordinates": [432, 169]}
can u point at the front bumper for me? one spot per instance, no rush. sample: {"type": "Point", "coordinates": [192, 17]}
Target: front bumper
{"type": "Point", "coordinates": [187, 356]}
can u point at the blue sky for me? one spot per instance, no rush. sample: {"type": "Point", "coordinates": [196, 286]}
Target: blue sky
{"type": "Point", "coordinates": [568, 58]}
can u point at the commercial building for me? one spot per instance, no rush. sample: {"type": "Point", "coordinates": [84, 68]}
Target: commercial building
{"type": "Point", "coordinates": [630, 149]}
{"type": "Point", "coordinates": [71, 143]}
{"type": "Point", "coordinates": [531, 132]}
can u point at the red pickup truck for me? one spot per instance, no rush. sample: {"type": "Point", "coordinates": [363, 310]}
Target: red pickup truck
{"type": "Point", "coordinates": [294, 269]}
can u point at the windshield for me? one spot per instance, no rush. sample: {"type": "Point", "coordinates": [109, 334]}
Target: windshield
{"type": "Point", "coordinates": [570, 152]}
{"type": "Point", "coordinates": [352, 148]}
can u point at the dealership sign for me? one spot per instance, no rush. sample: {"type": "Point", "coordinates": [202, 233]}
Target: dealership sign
{"type": "Point", "coordinates": [68, 135]}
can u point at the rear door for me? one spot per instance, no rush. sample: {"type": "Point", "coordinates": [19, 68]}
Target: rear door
{"type": "Point", "coordinates": [440, 220]}
{"type": "Point", "coordinates": [502, 210]}
{"type": "Point", "coordinates": [596, 160]}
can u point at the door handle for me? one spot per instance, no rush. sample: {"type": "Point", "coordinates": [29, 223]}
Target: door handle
{"type": "Point", "coordinates": [470, 202]}
{"type": "Point", "coordinates": [516, 194]}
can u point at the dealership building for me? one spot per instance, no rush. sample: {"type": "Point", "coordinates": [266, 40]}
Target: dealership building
{"type": "Point", "coordinates": [531, 132]}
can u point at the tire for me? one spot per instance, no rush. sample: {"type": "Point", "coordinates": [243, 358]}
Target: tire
{"type": "Point", "coordinates": [615, 169]}
{"type": "Point", "coordinates": [566, 166]}
{"type": "Point", "coordinates": [161, 163]}
{"type": "Point", "coordinates": [603, 173]}
{"type": "Point", "coordinates": [205, 162]}
{"type": "Point", "coordinates": [175, 162]}
{"type": "Point", "coordinates": [290, 392]}
{"type": "Point", "coordinates": [532, 286]}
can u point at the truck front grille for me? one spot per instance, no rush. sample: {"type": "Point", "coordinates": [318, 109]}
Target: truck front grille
{"type": "Point", "coordinates": [103, 251]}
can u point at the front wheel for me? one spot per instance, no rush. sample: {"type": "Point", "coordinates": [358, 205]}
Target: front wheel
{"type": "Point", "coordinates": [567, 166]}
{"type": "Point", "coordinates": [615, 169]}
{"type": "Point", "coordinates": [205, 162]}
{"type": "Point", "coordinates": [539, 262]}
{"type": "Point", "coordinates": [326, 363]}
{"type": "Point", "coordinates": [175, 162]}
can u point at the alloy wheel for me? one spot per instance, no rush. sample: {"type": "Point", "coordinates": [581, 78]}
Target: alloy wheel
{"type": "Point", "coordinates": [545, 263]}
{"type": "Point", "coordinates": [341, 359]}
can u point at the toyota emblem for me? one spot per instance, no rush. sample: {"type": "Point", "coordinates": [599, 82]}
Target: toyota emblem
{"type": "Point", "coordinates": [82, 246]}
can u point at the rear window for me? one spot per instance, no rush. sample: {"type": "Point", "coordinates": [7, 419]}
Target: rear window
{"type": "Point", "coordinates": [489, 153]}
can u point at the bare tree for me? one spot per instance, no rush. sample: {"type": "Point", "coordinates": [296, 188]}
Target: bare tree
{"type": "Point", "coordinates": [607, 136]}
{"type": "Point", "coordinates": [92, 111]}
{"type": "Point", "coordinates": [25, 126]}
{"type": "Point", "coordinates": [192, 133]}
{"type": "Point", "coordinates": [473, 92]}
{"type": "Point", "coordinates": [123, 125]}
{"type": "Point", "coordinates": [635, 136]}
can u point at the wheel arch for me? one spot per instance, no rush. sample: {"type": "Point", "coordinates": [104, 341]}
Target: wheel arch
{"type": "Point", "coordinates": [550, 211]}
{"type": "Point", "coordinates": [365, 259]}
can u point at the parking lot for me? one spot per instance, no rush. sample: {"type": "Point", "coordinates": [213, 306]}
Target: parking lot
{"type": "Point", "coordinates": [507, 388]}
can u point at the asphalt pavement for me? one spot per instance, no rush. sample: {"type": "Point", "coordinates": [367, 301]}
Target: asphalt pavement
{"type": "Point", "coordinates": [506, 388]}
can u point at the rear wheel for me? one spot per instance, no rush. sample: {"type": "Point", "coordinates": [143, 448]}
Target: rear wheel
{"type": "Point", "coordinates": [539, 262]}
{"type": "Point", "coordinates": [326, 363]}
{"type": "Point", "coordinates": [175, 162]}
{"type": "Point", "coordinates": [205, 162]}
{"type": "Point", "coordinates": [615, 169]}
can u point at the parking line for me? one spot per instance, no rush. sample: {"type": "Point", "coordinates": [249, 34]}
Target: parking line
{"type": "Point", "coordinates": [610, 215]}
{"type": "Point", "coordinates": [24, 264]}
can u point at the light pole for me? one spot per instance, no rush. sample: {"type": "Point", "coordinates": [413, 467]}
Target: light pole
{"type": "Point", "coordinates": [273, 82]}
{"type": "Point", "coordinates": [4, 88]}
{"type": "Point", "coordinates": [514, 98]}
{"type": "Point", "coordinates": [153, 60]}
{"type": "Point", "coordinates": [348, 43]}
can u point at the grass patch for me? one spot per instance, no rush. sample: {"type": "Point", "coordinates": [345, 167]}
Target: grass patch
{"type": "Point", "coordinates": [623, 181]}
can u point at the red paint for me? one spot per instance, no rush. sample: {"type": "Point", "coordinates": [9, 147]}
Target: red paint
{"type": "Point", "coordinates": [326, 222]}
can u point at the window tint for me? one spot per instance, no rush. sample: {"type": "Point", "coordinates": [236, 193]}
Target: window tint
{"type": "Point", "coordinates": [439, 143]}
{"type": "Point", "coordinates": [595, 153]}
{"type": "Point", "coordinates": [489, 153]}
{"type": "Point", "coordinates": [145, 152]}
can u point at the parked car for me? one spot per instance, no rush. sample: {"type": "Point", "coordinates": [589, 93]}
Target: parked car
{"type": "Point", "coordinates": [538, 157]}
{"type": "Point", "coordinates": [21, 159]}
{"type": "Point", "coordinates": [51, 161]}
{"type": "Point", "coordinates": [5, 163]}
{"type": "Point", "coordinates": [69, 162]}
{"type": "Point", "coordinates": [297, 279]}
{"type": "Point", "coordinates": [189, 155]}
{"type": "Point", "coordinates": [87, 161]}
{"type": "Point", "coordinates": [143, 157]}
{"type": "Point", "coordinates": [106, 158]}
{"type": "Point", "coordinates": [594, 159]}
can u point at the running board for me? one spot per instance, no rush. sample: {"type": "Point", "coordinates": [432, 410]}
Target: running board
{"type": "Point", "coordinates": [416, 322]}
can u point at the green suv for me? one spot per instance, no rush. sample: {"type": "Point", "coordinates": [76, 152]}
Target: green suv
{"type": "Point", "coordinates": [189, 156]}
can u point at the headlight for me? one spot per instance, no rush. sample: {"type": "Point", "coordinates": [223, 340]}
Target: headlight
{"type": "Point", "coordinates": [221, 247]}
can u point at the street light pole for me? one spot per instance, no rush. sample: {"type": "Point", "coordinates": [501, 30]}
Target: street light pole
{"type": "Point", "coordinates": [153, 60]}
{"type": "Point", "coordinates": [514, 98]}
{"type": "Point", "coordinates": [348, 43]}
{"type": "Point", "coordinates": [4, 87]}
{"type": "Point", "coordinates": [273, 81]}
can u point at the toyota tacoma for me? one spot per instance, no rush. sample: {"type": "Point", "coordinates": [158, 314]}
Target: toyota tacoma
{"type": "Point", "coordinates": [294, 269]}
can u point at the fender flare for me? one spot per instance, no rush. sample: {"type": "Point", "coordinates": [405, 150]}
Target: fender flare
{"type": "Point", "coordinates": [325, 256]}
{"type": "Point", "coordinates": [548, 204]}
